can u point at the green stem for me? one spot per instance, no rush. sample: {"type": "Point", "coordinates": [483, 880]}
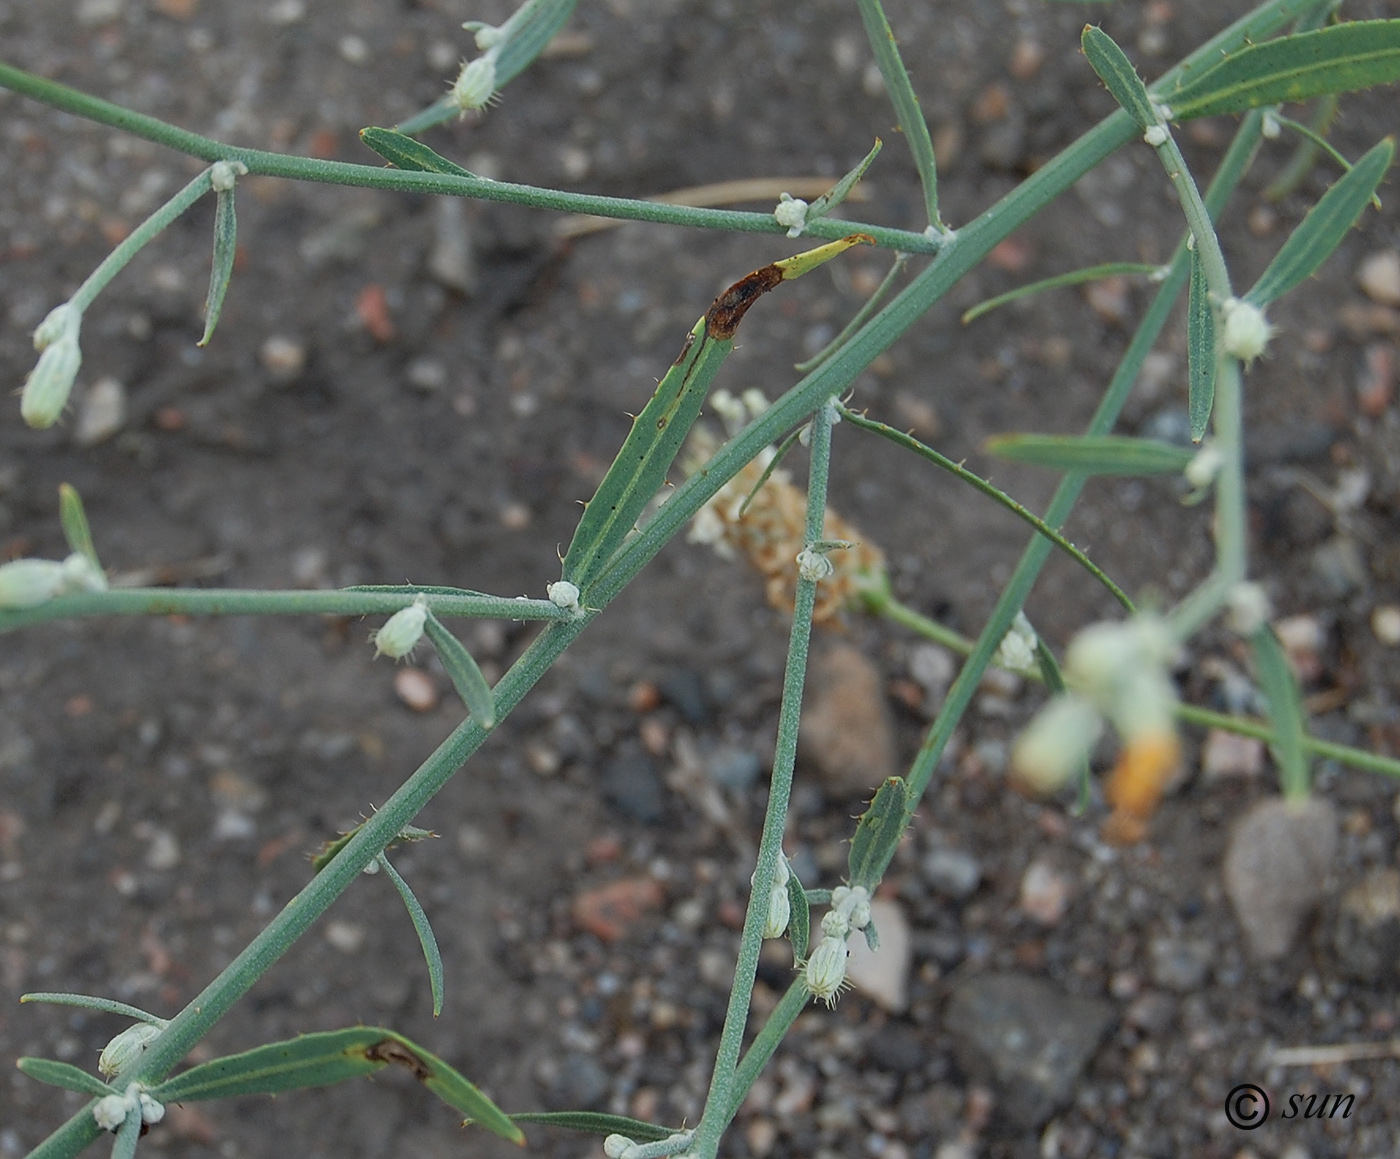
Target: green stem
{"type": "Point", "coordinates": [718, 1113]}
{"type": "Point", "coordinates": [260, 162]}
{"type": "Point", "coordinates": [234, 602]}
{"type": "Point", "coordinates": [862, 316]}
{"type": "Point", "coordinates": [992, 492]}
{"type": "Point", "coordinates": [766, 1041]}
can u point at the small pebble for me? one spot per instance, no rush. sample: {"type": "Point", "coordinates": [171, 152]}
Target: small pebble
{"type": "Point", "coordinates": [102, 412]}
{"type": "Point", "coordinates": [1379, 277]}
{"type": "Point", "coordinates": [611, 910]}
{"type": "Point", "coordinates": [1026, 59]}
{"type": "Point", "coordinates": [354, 49]}
{"type": "Point", "coordinates": [347, 937]}
{"type": "Point", "coordinates": [1302, 640]}
{"type": "Point", "coordinates": [1227, 754]}
{"type": "Point", "coordinates": [427, 374]}
{"type": "Point", "coordinates": [163, 852]}
{"type": "Point", "coordinates": [1385, 623]}
{"type": "Point", "coordinates": [283, 358]}
{"type": "Point", "coordinates": [416, 689]}
{"type": "Point", "coordinates": [286, 11]}
{"type": "Point", "coordinates": [1109, 299]}
{"type": "Point", "coordinates": [952, 872]}
{"type": "Point", "coordinates": [451, 261]}
{"type": "Point", "coordinates": [1375, 385]}
{"type": "Point", "coordinates": [1045, 893]}
{"type": "Point", "coordinates": [1180, 964]}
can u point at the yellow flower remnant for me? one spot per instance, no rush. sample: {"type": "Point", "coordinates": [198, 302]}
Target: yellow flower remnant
{"type": "Point", "coordinates": [771, 533]}
{"type": "Point", "coordinates": [1135, 786]}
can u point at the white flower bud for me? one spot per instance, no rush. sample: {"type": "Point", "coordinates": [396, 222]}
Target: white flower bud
{"type": "Point", "coordinates": [1056, 744]}
{"type": "Point", "coordinates": [110, 1112]}
{"type": "Point", "coordinates": [825, 972]}
{"type": "Point", "coordinates": [1156, 135]}
{"type": "Point", "coordinates": [49, 384]}
{"type": "Point", "coordinates": [1201, 471]}
{"type": "Point", "coordinates": [779, 911]}
{"type": "Point", "coordinates": [223, 174]}
{"type": "Point", "coordinates": [1016, 652]}
{"type": "Point", "coordinates": [836, 923]}
{"type": "Point", "coordinates": [1249, 608]}
{"type": "Point", "coordinates": [564, 595]}
{"type": "Point", "coordinates": [475, 84]}
{"type": "Point", "coordinates": [487, 36]}
{"type": "Point", "coordinates": [129, 1045]}
{"type": "Point", "coordinates": [401, 633]}
{"type": "Point", "coordinates": [1270, 128]}
{"type": "Point", "coordinates": [791, 212]}
{"type": "Point", "coordinates": [151, 1111]}
{"type": "Point", "coordinates": [615, 1146]}
{"type": "Point", "coordinates": [61, 320]}
{"type": "Point", "coordinates": [80, 574]}
{"type": "Point", "coordinates": [27, 583]}
{"type": "Point", "coordinates": [1247, 332]}
{"type": "Point", "coordinates": [813, 565]}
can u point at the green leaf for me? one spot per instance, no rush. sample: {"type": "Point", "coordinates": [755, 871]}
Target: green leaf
{"type": "Point", "coordinates": [65, 1075]}
{"type": "Point", "coordinates": [418, 590]}
{"type": "Point", "coordinates": [405, 153]}
{"type": "Point", "coordinates": [778, 456]}
{"type": "Point", "coordinates": [596, 1123]}
{"type": "Point", "coordinates": [1200, 351]}
{"type": "Point", "coordinates": [837, 193]}
{"type": "Point", "coordinates": [426, 938]}
{"type": "Point", "coordinates": [528, 32]}
{"type": "Point", "coordinates": [1322, 230]}
{"type": "Point", "coordinates": [1280, 688]}
{"type": "Point", "coordinates": [1073, 278]}
{"type": "Point", "coordinates": [799, 917]}
{"type": "Point", "coordinates": [75, 523]}
{"type": "Point", "coordinates": [466, 676]}
{"type": "Point", "coordinates": [1117, 72]}
{"type": "Point", "coordinates": [1339, 59]}
{"type": "Point", "coordinates": [88, 1002]}
{"type": "Point", "coordinates": [877, 834]}
{"type": "Point", "coordinates": [1092, 454]}
{"type": "Point", "coordinates": [220, 273]}
{"type": "Point", "coordinates": [317, 1060]}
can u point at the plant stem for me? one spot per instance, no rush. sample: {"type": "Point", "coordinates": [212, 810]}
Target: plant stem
{"type": "Point", "coordinates": [717, 1113]}
{"type": "Point", "coordinates": [235, 602]}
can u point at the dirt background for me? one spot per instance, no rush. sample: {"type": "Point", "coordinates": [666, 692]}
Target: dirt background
{"type": "Point", "coordinates": [161, 781]}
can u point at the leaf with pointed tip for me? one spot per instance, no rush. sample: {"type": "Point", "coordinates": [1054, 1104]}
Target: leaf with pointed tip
{"type": "Point", "coordinates": [426, 939]}
{"type": "Point", "coordinates": [597, 1123]}
{"type": "Point", "coordinates": [1200, 351]}
{"type": "Point", "coordinates": [317, 1060]}
{"type": "Point", "coordinates": [877, 833]}
{"type": "Point", "coordinates": [75, 523]}
{"type": "Point", "coordinates": [403, 152]}
{"type": "Point", "coordinates": [1341, 59]}
{"type": "Point", "coordinates": [65, 1075]}
{"type": "Point", "coordinates": [1280, 689]}
{"type": "Point", "coordinates": [1117, 73]}
{"type": "Point", "coordinates": [1092, 454]}
{"type": "Point", "coordinates": [221, 272]}
{"type": "Point", "coordinates": [88, 1002]}
{"type": "Point", "coordinates": [1072, 278]}
{"type": "Point", "coordinates": [837, 193]}
{"type": "Point", "coordinates": [1322, 230]}
{"type": "Point", "coordinates": [466, 675]}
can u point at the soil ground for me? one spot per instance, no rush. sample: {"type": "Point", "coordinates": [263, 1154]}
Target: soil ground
{"type": "Point", "coordinates": [162, 780]}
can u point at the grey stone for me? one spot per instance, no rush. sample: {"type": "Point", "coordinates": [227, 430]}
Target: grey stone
{"type": "Point", "coordinates": [1028, 1038]}
{"type": "Point", "coordinates": [1180, 964]}
{"type": "Point", "coordinates": [684, 690]}
{"type": "Point", "coordinates": [952, 872]}
{"type": "Point", "coordinates": [579, 1084]}
{"type": "Point", "coordinates": [631, 783]}
{"type": "Point", "coordinates": [846, 730]}
{"type": "Point", "coordinates": [1275, 869]}
{"type": "Point", "coordinates": [1366, 933]}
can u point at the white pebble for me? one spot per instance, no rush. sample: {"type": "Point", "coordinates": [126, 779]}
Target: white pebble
{"type": "Point", "coordinates": [102, 413]}
{"type": "Point", "coordinates": [416, 689]}
{"type": "Point", "coordinates": [347, 937]}
{"type": "Point", "coordinates": [1385, 623]}
{"type": "Point", "coordinates": [1379, 277]}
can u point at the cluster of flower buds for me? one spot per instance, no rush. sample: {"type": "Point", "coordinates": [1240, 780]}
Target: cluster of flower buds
{"type": "Point", "coordinates": [402, 631]}
{"type": "Point", "coordinates": [791, 212]}
{"type": "Point", "coordinates": [1116, 672]}
{"type": "Point", "coordinates": [825, 971]}
{"type": "Point", "coordinates": [111, 1111]}
{"type": "Point", "coordinates": [27, 583]}
{"type": "Point", "coordinates": [49, 384]}
{"type": "Point", "coordinates": [1246, 332]}
{"type": "Point", "coordinates": [1016, 652]}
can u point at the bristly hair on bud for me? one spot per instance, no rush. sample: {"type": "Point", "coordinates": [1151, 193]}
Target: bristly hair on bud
{"type": "Point", "coordinates": [825, 971]}
{"type": "Point", "coordinates": [475, 84]}
{"type": "Point", "coordinates": [1247, 331]}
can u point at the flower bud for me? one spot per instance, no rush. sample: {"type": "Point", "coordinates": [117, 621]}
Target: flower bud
{"type": "Point", "coordinates": [1249, 608]}
{"type": "Point", "coordinates": [615, 1146]}
{"type": "Point", "coordinates": [1247, 332]}
{"type": "Point", "coordinates": [825, 972]}
{"type": "Point", "coordinates": [49, 384]}
{"type": "Point", "coordinates": [151, 1111]}
{"type": "Point", "coordinates": [129, 1045]}
{"type": "Point", "coordinates": [813, 566]}
{"type": "Point", "coordinates": [563, 594]}
{"type": "Point", "coordinates": [110, 1112]}
{"type": "Point", "coordinates": [401, 633]}
{"type": "Point", "coordinates": [80, 574]}
{"type": "Point", "coordinates": [475, 84]}
{"type": "Point", "coordinates": [1016, 652]}
{"type": "Point", "coordinates": [791, 212]}
{"type": "Point", "coordinates": [779, 911]}
{"type": "Point", "coordinates": [27, 583]}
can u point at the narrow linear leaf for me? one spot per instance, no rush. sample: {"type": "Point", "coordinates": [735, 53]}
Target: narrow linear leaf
{"type": "Point", "coordinates": [125, 1145]}
{"type": "Point", "coordinates": [418, 590]}
{"type": "Point", "coordinates": [1117, 73]}
{"type": "Point", "coordinates": [1092, 454]}
{"type": "Point", "coordinates": [778, 456]}
{"type": "Point", "coordinates": [877, 834]}
{"type": "Point", "coordinates": [1073, 278]}
{"type": "Point", "coordinates": [799, 917]}
{"type": "Point", "coordinates": [88, 1002]}
{"type": "Point", "coordinates": [320, 1059]}
{"type": "Point", "coordinates": [1280, 688]}
{"type": "Point", "coordinates": [1322, 230]}
{"type": "Point", "coordinates": [466, 675]}
{"type": "Point", "coordinates": [904, 99]}
{"type": "Point", "coordinates": [818, 896]}
{"type": "Point", "coordinates": [1301, 163]}
{"type": "Point", "coordinates": [1340, 59]}
{"type": "Point", "coordinates": [225, 248]}
{"type": "Point", "coordinates": [659, 432]}
{"type": "Point", "coordinates": [403, 152]}
{"type": "Point", "coordinates": [596, 1123]}
{"type": "Point", "coordinates": [529, 32]}
{"type": "Point", "coordinates": [425, 931]}
{"type": "Point", "coordinates": [1200, 351]}
{"type": "Point", "coordinates": [65, 1075]}
{"type": "Point", "coordinates": [859, 319]}
{"type": "Point", "coordinates": [75, 523]}
{"type": "Point", "coordinates": [837, 193]}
